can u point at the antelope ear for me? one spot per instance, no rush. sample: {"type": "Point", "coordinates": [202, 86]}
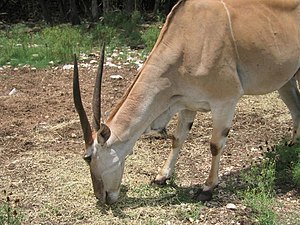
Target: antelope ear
{"type": "Point", "coordinates": [103, 134]}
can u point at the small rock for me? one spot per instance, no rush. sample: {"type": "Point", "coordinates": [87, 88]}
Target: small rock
{"type": "Point", "coordinates": [13, 92]}
{"type": "Point", "coordinates": [84, 57]}
{"type": "Point", "coordinates": [130, 58]}
{"type": "Point", "coordinates": [33, 68]}
{"type": "Point", "coordinates": [139, 65]}
{"type": "Point", "coordinates": [84, 65]}
{"type": "Point", "coordinates": [93, 61]}
{"type": "Point", "coordinates": [116, 77]}
{"type": "Point", "coordinates": [68, 67]}
{"type": "Point", "coordinates": [12, 165]}
{"type": "Point", "coordinates": [191, 219]}
{"type": "Point", "coordinates": [114, 54]}
{"type": "Point", "coordinates": [254, 149]}
{"type": "Point", "coordinates": [231, 206]}
{"type": "Point", "coordinates": [110, 64]}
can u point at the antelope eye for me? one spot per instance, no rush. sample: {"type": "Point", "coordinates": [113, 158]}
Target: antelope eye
{"type": "Point", "coordinates": [87, 158]}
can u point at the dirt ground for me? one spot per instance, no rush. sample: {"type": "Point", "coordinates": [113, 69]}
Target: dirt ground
{"type": "Point", "coordinates": [41, 149]}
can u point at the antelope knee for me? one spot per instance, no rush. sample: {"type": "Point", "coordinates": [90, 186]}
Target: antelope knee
{"type": "Point", "coordinates": [214, 149]}
{"type": "Point", "coordinates": [175, 143]}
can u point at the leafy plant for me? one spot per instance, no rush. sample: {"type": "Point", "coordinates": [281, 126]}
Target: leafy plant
{"type": "Point", "coordinates": [9, 212]}
{"type": "Point", "coordinates": [296, 174]}
{"type": "Point", "coordinates": [61, 42]}
{"type": "Point", "coordinates": [150, 36]}
{"type": "Point", "coordinates": [127, 27]}
{"type": "Point", "coordinates": [21, 45]}
{"type": "Point", "coordinates": [280, 166]}
{"type": "Point", "coordinates": [102, 32]}
{"type": "Point", "coordinates": [287, 163]}
{"type": "Point", "coordinates": [259, 191]}
{"type": "Point", "coordinates": [56, 44]}
{"type": "Point", "coordinates": [261, 204]}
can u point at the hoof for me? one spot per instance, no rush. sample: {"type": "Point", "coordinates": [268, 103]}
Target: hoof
{"type": "Point", "coordinates": [203, 196]}
{"type": "Point", "coordinates": [160, 182]}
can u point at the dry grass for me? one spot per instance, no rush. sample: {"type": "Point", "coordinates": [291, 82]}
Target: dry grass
{"type": "Point", "coordinates": [53, 182]}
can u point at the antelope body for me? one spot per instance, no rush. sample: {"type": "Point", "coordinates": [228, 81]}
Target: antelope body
{"type": "Point", "coordinates": [208, 55]}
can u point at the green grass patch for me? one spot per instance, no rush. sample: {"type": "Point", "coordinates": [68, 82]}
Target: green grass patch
{"type": "Point", "coordinates": [52, 45]}
{"type": "Point", "coordinates": [296, 174]}
{"type": "Point", "coordinates": [150, 36]}
{"type": "Point", "coordinates": [279, 168]}
{"type": "Point", "coordinates": [258, 193]}
{"type": "Point", "coordinates": [21, 45]}
{"type": "Point", "coordinates": [287, 164]}
{"type": "Point", "coordinates": [9, 211]}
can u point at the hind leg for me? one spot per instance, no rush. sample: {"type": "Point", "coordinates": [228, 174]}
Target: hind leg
{"type": "Point", "coordinates": [289, 93]}
{"type": "Point", "coordinates": [185, 122]}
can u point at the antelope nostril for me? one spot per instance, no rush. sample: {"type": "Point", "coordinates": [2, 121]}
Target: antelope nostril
{"type": "Point", "coordinates": [111, 197]}
{"type": "Point", "coordinates": [87, 158]}
{"type": "Point", "coordinates": [107, 198]}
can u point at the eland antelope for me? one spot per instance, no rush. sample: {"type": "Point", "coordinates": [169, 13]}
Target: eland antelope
{"type": "Point", "coordinates": [208, 55]}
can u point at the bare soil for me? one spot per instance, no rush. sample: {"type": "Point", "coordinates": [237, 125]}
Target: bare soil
{"type": "Point", "coordinates": [41, 149]}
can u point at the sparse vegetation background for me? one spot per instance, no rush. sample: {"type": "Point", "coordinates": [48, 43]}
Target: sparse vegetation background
{"type": "Point", "coordinates": [43, 179]}
{"type": "Point", "coordinates": [43, 45]}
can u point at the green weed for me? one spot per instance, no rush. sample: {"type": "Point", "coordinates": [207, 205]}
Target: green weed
{"type": "Point", "coordinates": [56, 44]}
{"type": "Point", "coordinates": [287, 164]}
{"type": "Point", "coordinates": [150, 36]}
{"type": "Point", "coordinates": [9, 212]}
{"type": "Point", "coordinates": [296, 174]}
{"type": "Point", "coordinates": [102, 32]}
{"type": "Point", "coordinates": [262, 207]}
{"type": "Point", "coordinates": [189, 212]}
{"type": "Point", "coordinates": [280, 167]}
{"type": "Point", "coordinates": [259, 191]}
{"type": "Point", "coordinates": [127, 26]}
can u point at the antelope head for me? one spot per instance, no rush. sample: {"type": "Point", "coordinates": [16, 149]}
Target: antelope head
{"type": "Point", "coordinates": [106, 167]}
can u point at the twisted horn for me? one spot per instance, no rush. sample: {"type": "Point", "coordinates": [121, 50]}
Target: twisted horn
{"type": "Point", "coordinates": [97, 93]}
{"type": "Point", "coordinates": [85, 125]}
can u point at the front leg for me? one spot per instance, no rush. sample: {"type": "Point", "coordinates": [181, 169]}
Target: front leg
{"type": "Point", "coordinates": [185, 122]}
{"type": "Point", "coordinates": [222, 115]}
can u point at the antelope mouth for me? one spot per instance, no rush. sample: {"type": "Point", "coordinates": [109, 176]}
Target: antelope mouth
{"type": "Point", "coordinates": [108, 198]}
{"type": "Point", "coordinates": [111, 197]}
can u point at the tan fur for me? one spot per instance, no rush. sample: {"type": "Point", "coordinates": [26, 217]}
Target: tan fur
{"type": "Point", "coordinates": [282, 4]}
{"type": "Point", "coordinates": [209, 54]}
{"type": "Point", "coordinates": [122, 100]}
